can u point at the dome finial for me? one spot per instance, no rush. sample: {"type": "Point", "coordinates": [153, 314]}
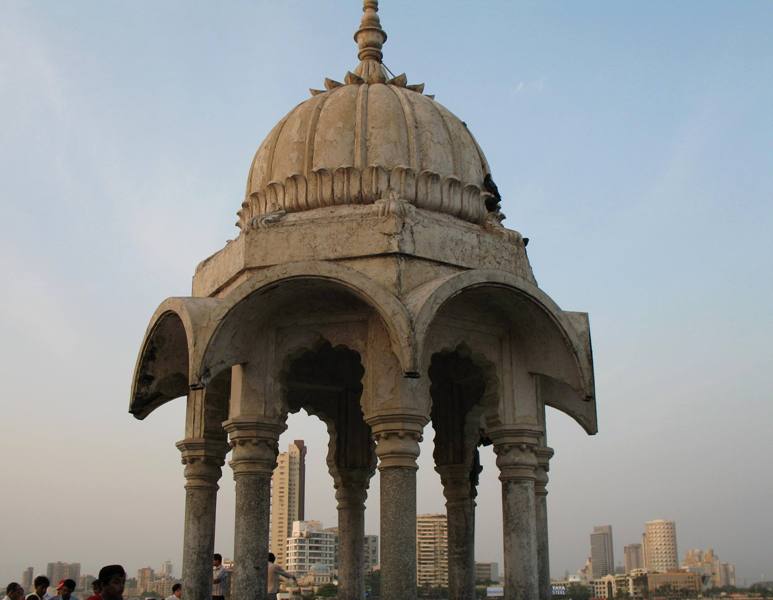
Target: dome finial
{"type": "Point", "coordinates": [370, 39]}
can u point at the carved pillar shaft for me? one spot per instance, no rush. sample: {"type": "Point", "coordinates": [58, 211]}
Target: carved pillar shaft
{"type": "Point", "coordinates": [517, 464]}
{"type": "Point", "coordinates": [543, 454]}
{"type": "Point", "coordinates": [459, 492]}
{"type": "Point", "coordinates": [203, 460]}
{"type": "Point", "coordinates": [397, 447]}
{"type": "Point", "coordinates": [351, 493]}
{"type": "Point", "coordinates": [254, 457]}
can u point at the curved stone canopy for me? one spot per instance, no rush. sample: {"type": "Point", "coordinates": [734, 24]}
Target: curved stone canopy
{"type": "Point", "coordinates": [371, 135]}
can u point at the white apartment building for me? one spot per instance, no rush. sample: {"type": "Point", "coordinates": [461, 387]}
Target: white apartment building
{"type": "Point", "coordinates": [310, 547]}
{"type": "Point", "coordinates": [659, 541]}
{"type": "Point", "coordinates": [432, 550]}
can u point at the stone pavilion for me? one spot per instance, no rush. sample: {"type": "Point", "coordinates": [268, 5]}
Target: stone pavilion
{"type": "Point", "coordinates": [373, 285]}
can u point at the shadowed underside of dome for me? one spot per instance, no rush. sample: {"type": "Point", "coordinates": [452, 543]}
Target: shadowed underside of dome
{"type": "Point", "coordinates": [366, 139]}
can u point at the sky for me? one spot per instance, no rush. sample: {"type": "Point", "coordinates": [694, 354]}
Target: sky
{"type": "Point", "coordinates": [632, 143]}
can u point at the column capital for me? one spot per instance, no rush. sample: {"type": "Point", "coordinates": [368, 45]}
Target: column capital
{"type": "Point", "coordinates": [544, 454]}
{"type": "Point", "coordinates": [397, 439]}
{"type": "Point", "coordinates": [254, 444]}
{"type": "Point", "coordinates": [202, 458]}
{"type": "Point", "coordinates": [457, 483]}
{"type": "Point", "coordinates": [515, 448]}
{"type": "Point", "coordinates": [351, 487]}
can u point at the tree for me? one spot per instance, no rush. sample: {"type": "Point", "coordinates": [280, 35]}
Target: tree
{"type": "Point", "coordinates": [327, 591]}
{"type": "Point", "coordinates": [373, 584]}
{"type": "Point", "coordinates": [577, 591]}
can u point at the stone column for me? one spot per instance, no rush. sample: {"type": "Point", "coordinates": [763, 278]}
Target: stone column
{"type": "Point", "coordinates": [254, 457]}
{"type": "Point", "coordinates": [351, 493]}
{"type": "Point", "coordinates": [543, 454]}
{"type": "Point", "coordinates": [517, 464]}
{"type": "Point", "coordinates": [397, 448]}
{"type": "Point", "coordinates": [203, 460]}
{"type": "Point", "coordinates": [459, 492]}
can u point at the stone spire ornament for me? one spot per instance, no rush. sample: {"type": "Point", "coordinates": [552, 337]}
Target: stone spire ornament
{"type": "Point", "coordinates": [370, 38]}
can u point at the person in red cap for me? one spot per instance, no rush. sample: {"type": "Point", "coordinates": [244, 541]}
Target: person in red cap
{"type": "Point", "coordinates": [64, 590]}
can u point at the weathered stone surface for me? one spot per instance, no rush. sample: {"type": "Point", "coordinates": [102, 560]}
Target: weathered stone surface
{"type": "Point", "coordinates": [351, 493]}
{"type": "Point", "coordinates": [397, 449]}
{"type": "Point", "coordinates": [254, 458]}
{"type": "Point", "coordinates": [203, 460]}
{"type": "Point", "coordinates": [348, 233]}
{"type": "Point", "coordinates": [370, 230]}
{"type": "Point", "coordinates": [543, 551]}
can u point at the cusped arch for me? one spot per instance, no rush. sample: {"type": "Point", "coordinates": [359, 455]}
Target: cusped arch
{"type": "Point", "coordinates": [177, 329]}
{"type": "Point", "coordinates": [221, 353]}
{"type": "Point", "coordinates": [557, 342]}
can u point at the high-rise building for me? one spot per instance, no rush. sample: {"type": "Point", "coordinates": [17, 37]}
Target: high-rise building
{"type": "Point", "coordinates": [726, 575]}
{"type": "Point", "coordinates": [145, 577]}
{"type": "Point", "coordinates": [166, 569]}
{"type": "Point", "coordinates": [659, 541]}
{"type": "Point", "coordinates": [371, 552]}
{"type": "Point", "coordinates": [601, 551]}
{"type": "Point", "coordinates": [709, 567]}
{"type": "Point", "coordinates": [26, 579]}
{"type": "Point", "coordinates": [486, 572]}
{"type": "Point", "coordinates": [288, 489]}
{"type": "Point", "coordinates": [432, 550]}
{"type": "Point", "coordinates": [84, 584]}
{"type": "Point", "coordinates": [633, 557]}
{"type": "Point", "coordinates": [310, 546]}
{"type": "Point", "coordinates": [56, 571]}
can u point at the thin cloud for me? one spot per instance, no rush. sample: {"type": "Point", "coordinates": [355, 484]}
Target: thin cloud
{"type": "Point", "coordinates": [530, 86]}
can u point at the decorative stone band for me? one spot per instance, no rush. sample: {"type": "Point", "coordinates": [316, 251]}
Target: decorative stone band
{"type": "Point", "coordinates": [544, 454]}
{"type": "Point", "coordinates": [350, 185]}
{"type": "Point", "coordinates": [254, 444]}
{"type": "Point", "coordinates": [397, 439]}
{"type": "Point", "coordinates": [203, 459]}
{"type": "Point", "coordinates": [515, 449]}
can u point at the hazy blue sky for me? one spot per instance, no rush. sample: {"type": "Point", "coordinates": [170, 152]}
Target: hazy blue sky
{"type": "Point", "coordinates": [632, 142]}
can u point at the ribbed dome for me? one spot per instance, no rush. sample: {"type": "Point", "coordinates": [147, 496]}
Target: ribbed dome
{"type": "Point", "coordinates": [358, 142]}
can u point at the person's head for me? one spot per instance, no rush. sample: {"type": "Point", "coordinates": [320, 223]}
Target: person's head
{"type": "Point", "coordinates": [41, 584]}
{"type": "Point", "coordinates": [112, 579]}
{"type": "Point", "coordinates": [14, 591]}
{"type": "Point", "coordinates": [271, 557]}
{"type": "Point", "coordinates": [217, 560]}
{"type": "Point", "coordinates": [65, 588]}
{"type": "Point", "coordinates": [96, 587]}
{"type": "Point", "coordinates": [177, 589]}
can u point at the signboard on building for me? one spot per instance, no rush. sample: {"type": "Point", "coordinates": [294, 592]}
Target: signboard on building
{"type": "Point", "coordinates": [496, 591]}
{"type": "Point", "coordinates": [559, 590]}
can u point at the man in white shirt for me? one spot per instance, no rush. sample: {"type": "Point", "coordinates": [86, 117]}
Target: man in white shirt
{"type": "Point", "coordinates": [219, 578]}
{"type": "Point", "coordinates": [177, 592]}
{"type": "Point", "coordinates": [41, 584]}
{"type": "Point", "coordinates": [274, 573]}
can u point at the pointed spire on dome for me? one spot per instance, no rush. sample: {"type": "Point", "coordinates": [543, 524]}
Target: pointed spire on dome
{"type": "Point", "coordinates": [370, 39]}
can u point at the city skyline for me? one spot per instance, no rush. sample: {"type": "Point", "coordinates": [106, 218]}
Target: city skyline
{"type": "Point", "coordinates": [608, 138]}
